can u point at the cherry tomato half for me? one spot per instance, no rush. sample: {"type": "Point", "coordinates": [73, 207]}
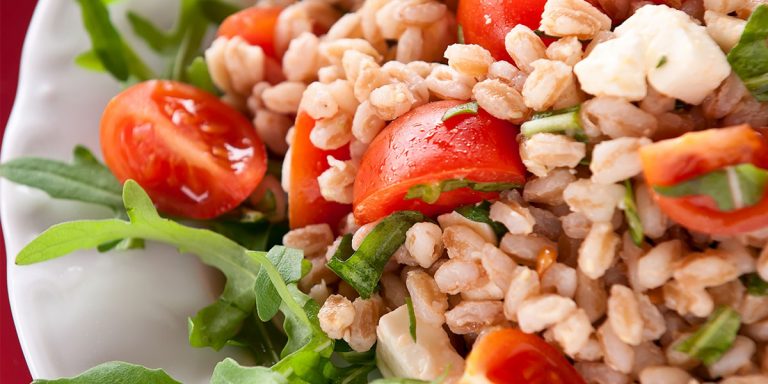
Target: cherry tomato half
{"type": "Point", "coordinates": [510, 356]}
{"type": "Point", "coordinates": [194, 155]}
{"type": "Point", "coordinates": [487, 22]}
{"type": "Point", "coordinates": [256, 25]}
{"type": "Point", "coordinates": [305, 203]}
{"type": "Point", "coordinates": [693, 154]}
{"type": "Point", "coordinates": [419, 148]}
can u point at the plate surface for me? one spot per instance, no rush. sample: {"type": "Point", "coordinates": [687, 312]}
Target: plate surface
{"type": "Point", "coordinates": [88, 308]}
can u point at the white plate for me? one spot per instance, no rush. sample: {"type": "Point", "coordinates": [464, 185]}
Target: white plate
{"type": "Point", "coordinates": [88, 308]}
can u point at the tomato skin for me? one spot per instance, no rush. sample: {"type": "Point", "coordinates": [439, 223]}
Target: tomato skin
{"type": "Point", "coordinates": [306, 205]}
{"type": "Point", "coordinates": [473, 16]}
{"type": "Point", "coordinates": [510, 356]}
{"type": "Point", "coordinates": [256, 25]}
{"type": "Point", "coordinates": [420, 148]}
{"type": "Point", "coordinates": [194, 155]}
{"type": "Point", "coordinates": [672, 161]}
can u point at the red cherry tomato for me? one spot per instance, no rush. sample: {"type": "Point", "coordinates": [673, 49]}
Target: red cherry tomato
{"type": "Point", "coordinates": [509, 356]}
{"type": "Point", "coordinates": [256, 25]}
{"type": "Point", "coordinates": [305, 203]}
{"type": "Point", "coordinates": [419, 148]}
{"type": "Point", "coordinates": [693, 154]}
{"type": "Point", "coordinates": [194, 155]}
{"type": "Point", "coordinates": [486, 22]}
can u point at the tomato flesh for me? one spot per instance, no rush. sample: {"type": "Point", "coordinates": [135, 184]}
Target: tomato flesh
{"type": "Point", "coordinates": [419, 148]}
{"type": "Point", "coordinates": [672, 161]}
{"type": "Point", "coordinates": [256, 25]}
{"type": "Point", "coordinates": [305, 203]}
{"type": "Point", "coordinates": [509, 356]}
{"type": "Point", "coordinates": [487, 22]}
{"type": "Point", "coordinates": [194, 155]}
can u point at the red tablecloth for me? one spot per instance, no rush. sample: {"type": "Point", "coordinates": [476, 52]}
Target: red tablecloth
{"type": "Point", "coordinates": [14, 18]}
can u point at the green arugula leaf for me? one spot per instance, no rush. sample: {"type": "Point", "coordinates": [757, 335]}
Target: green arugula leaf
{"type": "Point", "coordinates": [714, 337]}
{"type": "Point", "coordinates": [115, 372]}
{"type": "Point", "coordinates": [564, 121]}
{"type": "Point", "coordinates": [469, 108]}
{"type": "Point", "coordinates": [288, 263]}
{"type": "Point", "coordinates": [363, 269]}
{"type": "Point", "coordinates": [355, 367]}
{"type": "Point", "coordinates": [749, 58]}
{"type": "Point", "coordinates": [216, 11]}
{"type": "Point", "coordinates": [88, 60]}
{"type": "Point", "coordinates": [158, 40]}
{"type": "Point", "coordinates": [756, 286]}
{"type": "Point", "coordinates": [430, 193]}
{"type": "Point", "coordinates": [411, 318]}
{"type": "Point", "coordinates": [230, 372]}
{"type": "Point", "coordinates": [108, 46]}
{"type": "Point", "coordinates": [731, 188]}
{"type": "Point", "coordinates": [197, 74]}
{"type": "Point", "coordinates": [630, 212]}
{"type": "Point", "coordinates": [263, 338]}
{"type": "Point", "coordinates": [85, 180]}
{"type": "Point", "coordinates": [482, 214]}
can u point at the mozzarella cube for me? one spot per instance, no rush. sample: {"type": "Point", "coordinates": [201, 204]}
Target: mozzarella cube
{"type": "Point", "coordinates": [615, 68]}
{"type": "Point", "coordinates": [398, 356]}
{"type": "Point", "coordinates": [681, 59]}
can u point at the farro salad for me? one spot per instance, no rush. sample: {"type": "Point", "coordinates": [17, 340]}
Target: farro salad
{"type": "Point", "coordinates": [424, 191]}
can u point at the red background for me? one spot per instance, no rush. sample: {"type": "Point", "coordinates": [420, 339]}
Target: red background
{"type": "Point", "coordinates": [14, 18]}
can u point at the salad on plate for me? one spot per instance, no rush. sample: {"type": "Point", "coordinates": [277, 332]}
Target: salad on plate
{"type": "Point", "coordinates": [425, 191]}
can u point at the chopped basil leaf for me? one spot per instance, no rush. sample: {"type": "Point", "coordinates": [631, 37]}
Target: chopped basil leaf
{"type": "Point", "coordinates": [115, 372]}
{"type": "Point", "coordinates": [411, 317]}
{"type": "Point", "coordinates": [731, 188]}
{"type": "Point", "coordinates": [565, 121]}
{"type": "Point", "coordinates": [749, 58]}
{"type": "Point", "coordinates": [430, 193]}
{"type": "Point", "coordinates": [630, 212]}
{"type": "Point", "coordinates": [662, 61]}
{"type": "Point", "coordinates": [362, 269]}
{"type": "Point", "coordinates": [756, 286]}
{"type": "Point", "coordinates": [714, 337]}
{"type": "Point", "coordinates": [482, 214]}
{"type": "Point", "coordinates": [461, 109]}
{"type": "Point", "coordinates": [460, 35]}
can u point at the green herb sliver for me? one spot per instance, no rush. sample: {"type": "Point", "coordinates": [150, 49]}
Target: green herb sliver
{"type": "Point", "coordinates": [430, 193]}
{"type": "Point", "coordinates": [411, 318]}
{"type": "Point", "coordinates": [749, 58]}
{"type": "Point", "coordinates": [630, 212]}
{"type": "Point", "coordinates": [714, 337]}
{"type": "Point", "coordinates": [482, 214]}
{"type": "Point", "coordinates": [461, 109]}
{"type": "Point", "coordinates": [565, 121]}
{"type": "Point", "coordinates": [731, 188]}
{"type": "Point", "coordinates": [362, 269]}
{"type": "Point", "coordinates": [756, 286]}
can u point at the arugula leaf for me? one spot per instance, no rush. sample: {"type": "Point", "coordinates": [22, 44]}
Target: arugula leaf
{"type": "Point", "coordinates": [108, 46]}
{"type": "Point", "coordinates": [756, 286]}
{"type": "Point", "coordinates": [731, 188]}
{"type": "Point", "coordinates": [356, 368]}
{"type": "Point", "coordinates": [229, 371]}
{"type": "Point", "coordinates": [88, 60]}
{"type": "Point", "coordinates": [158, 40]}
{"type": "Point", "coordinates": [216, 11]}
{"type": "Point", "coordinates": [714, 337]}
{"type": "Point", "coordinates": [749, 58]}
{"type": "Point", "coordinates": [263, 338]}
{"type": "Point", "coordinates": [197, 74]}
{"type": "Point", "coordinates": [482, 214]}
{"type": "Point", "coordinates": [84, 180]}
{"type": "Point", "coordinates": [469, 108]}
{"type": "Point", "coordinates": [630, 212]}
{"type": "Point", "coordinates": [115, 372]}
{"type": "Point", "coordinates": [363, 269]}
{"type": "Point", "coordinates": [411, 318]}
{"type": "Point", "coordinates": [288, 263]}
{"type": "Point", "coordinates": [564, 121]}
{"type": "Point", "coordinates": [430, 193]}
